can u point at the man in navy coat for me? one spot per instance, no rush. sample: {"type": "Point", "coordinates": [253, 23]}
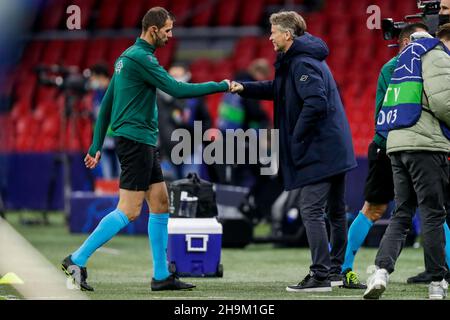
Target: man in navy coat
{"type": "Point", "coordinates": [315, 142]}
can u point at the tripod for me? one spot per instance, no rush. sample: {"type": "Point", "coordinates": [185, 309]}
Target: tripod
{"type": "Point", "coordinates": [61, 162]}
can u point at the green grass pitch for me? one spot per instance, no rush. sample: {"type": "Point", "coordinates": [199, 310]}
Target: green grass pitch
{"type": "Point", "coordinates": [122, 270]}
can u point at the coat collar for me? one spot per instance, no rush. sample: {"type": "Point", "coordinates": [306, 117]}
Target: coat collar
{"type": "Point", "coordinates": [145, 45]}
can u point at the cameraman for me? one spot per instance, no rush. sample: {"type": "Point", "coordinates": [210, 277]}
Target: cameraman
{"type": "Point", "coordinates": [418, 98]}
{"type": "Point", "coordinates": [379, 188]}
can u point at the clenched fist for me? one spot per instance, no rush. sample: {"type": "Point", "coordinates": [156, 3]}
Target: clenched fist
{"type": "Point", "coordinates": [236, 87]}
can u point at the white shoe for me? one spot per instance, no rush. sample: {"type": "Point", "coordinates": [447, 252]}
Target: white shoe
{"type": "Point", "coordinates": [438, 290]}
{"type": "Point", "coordinates": [376, 284]}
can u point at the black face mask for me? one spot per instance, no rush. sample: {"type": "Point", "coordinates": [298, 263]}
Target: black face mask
{"type": "Point", "coordinates": [443, 19]}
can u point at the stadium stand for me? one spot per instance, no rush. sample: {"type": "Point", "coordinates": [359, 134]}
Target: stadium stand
{"type": "Point", "coordinates": [356, 70]}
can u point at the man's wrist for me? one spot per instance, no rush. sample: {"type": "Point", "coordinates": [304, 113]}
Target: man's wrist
{"type": "Point", "coordinates": [224, 85]}
{"type": "Point", "coordinates": [92, 151]}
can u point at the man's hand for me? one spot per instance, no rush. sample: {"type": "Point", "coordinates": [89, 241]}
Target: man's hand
{"type": "Point", "coordinates": [90, 161]}
{"type": "Point", "coordinates": [236, 87]}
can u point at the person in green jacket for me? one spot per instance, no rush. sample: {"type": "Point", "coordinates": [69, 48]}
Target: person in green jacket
{"type": "Point", "coordinates": [379, 188]}
{"type": "Point", "coordinates": [129, 107]}
{"type": "Point", "coordinates": [420, 169]}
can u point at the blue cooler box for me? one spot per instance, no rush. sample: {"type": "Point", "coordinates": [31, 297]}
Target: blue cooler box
{"type": "Point", "coordinates": [194, 247]}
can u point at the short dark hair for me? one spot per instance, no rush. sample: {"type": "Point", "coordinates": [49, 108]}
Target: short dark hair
{"type": "Point", "coordinates": [100, 69]}
{"type": "Point", "coordinates": [444, 32]}
{"type": "Point", "coordinates": [409, 29]}
{"type": "Point", "coordinates": [156, 16]}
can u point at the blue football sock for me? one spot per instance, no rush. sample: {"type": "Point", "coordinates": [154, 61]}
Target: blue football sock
{"type": "Point", "coordinates": [356, 234]}
{"type": "Point", "coordinates": [108, 227]}
{"type": "Point", "coordinates": [158, 235]}
{"type": "Point", "coordinates": [447, 243]}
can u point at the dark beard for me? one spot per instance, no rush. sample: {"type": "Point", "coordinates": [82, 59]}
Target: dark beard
{"type": "Point", "coordinates": [160, 42]}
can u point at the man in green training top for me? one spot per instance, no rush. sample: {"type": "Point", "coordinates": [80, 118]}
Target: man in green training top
{"type": "Point", "coordinates": [379, 188]}
{"type": "Point", "coordinates": [129, 106]}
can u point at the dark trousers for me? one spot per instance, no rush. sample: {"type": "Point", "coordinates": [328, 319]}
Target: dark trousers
{"type": "Point", "coordinates": [420, 180]}
{"type": "Point", "coordinates": [313, 200]}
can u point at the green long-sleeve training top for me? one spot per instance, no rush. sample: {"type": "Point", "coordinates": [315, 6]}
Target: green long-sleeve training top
{"type": "Point", "coordinates": [383, 83]}
{"type": "Point", "coordinates": [129, 104]}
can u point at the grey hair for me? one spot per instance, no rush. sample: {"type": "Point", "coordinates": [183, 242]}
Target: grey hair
{"type": "Point", "coordinates": [289, 21]}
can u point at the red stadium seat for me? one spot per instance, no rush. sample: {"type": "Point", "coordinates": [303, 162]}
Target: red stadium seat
{"type": "Point", "coordinates": [45, 93]}
{"type": "Point", "coordinates": [180, 8]}
{"type": "Point", "coordinates": [165, 54]}
{"type": "Point", "coordinates": [131, 14]}
{"type": "Point", "coordinates": [223, 69]}
{"type": "Point", "coordinates": [274, 2]}
{"type": "Point", "coordinates": [97, 50]}
{"type": "Point", "coordinates": [117, 47]}
{"type": "Point", "coordinates": [201, 76]}
{"type": "Point", "coordinates": [72, 141]}
{"type": "Point", "coordinates": [19, 109]}
{"type": "Point", "coordinates": [51, 125]}
{"type": "Point", "coordinates": [316, 24]}
{"type": "Point", "coordinates": [155, 3]}
{"type": "Point", "coordinates": [45, 109]}
{"type": "Point", "coordinates": [212, 102]}
{"type": "Point", "coordinates": [108, 14]}
{"type": "Point", "coordinates": [53, 14]}
{"type": "Point", "coordinates": [201, 70]}
{"type": "Point", "coordinates": [245, 52]}
{"type": "Point", "coordinates": [74, 52]}
{"type": "Point", "coordinates": [204, 11]}
{"type": "Point", "coordinates": [228, 12]}
{"type": "Point", "coordinates": [32, 53]}
{"type": "Point", "coordinates": [251, 12]}
{"type": "Point", "coordinates": [266, 50]}
{"type": "Point", "coordinates": [25, 87]}
{"type": "Point", "coordinates": [336, 8]}
{"type": "Point", "coordinates": [27, 129]}
{"type": "Point", "coordinates": [53, 52]}
{"type": "Point", "coordinates": [49, 135]}
{"type": "Point", "coordinates": [356, 57]}
{"type": "Point", "coordinates": [86, 7]}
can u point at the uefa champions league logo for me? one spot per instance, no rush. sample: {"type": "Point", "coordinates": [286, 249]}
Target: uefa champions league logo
{"type": "Point", "coordinates": [119, 66]}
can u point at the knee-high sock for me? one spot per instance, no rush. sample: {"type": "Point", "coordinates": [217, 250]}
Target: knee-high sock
{"type": "Point", "coordinates": [356, 234]}
{"type": "Point", "coordinates": [108, 227]}
{"type": "Point", "coordinates": [447, 244]}
{"type": "Point", "coordinates": [158, 235]}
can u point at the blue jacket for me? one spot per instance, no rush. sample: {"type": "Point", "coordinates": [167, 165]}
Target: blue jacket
{"type": "Point", "coordinates": [315, 138]}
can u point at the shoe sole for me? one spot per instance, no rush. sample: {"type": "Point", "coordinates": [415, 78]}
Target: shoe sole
{"type": "Point", "coordinates": [418, 282]}
{"type": "Point", "coordinates": [353, 287]}
{"type": "Point", "coordinates": [324, 289]}
{"type": "Point", "coordinates": [436, 297]}
{"type": "Point", "coordinates": [79, 287]}
{"type": "Point", "coordinates": [375, 292]}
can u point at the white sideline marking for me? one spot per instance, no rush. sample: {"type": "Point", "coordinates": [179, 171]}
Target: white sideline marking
{"type": "Point", "coordinates": [42, 280]}
{"type": "Point", "coordinates": [335, 297]}
{"type": "Point", "coordinates": [188, 298]}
